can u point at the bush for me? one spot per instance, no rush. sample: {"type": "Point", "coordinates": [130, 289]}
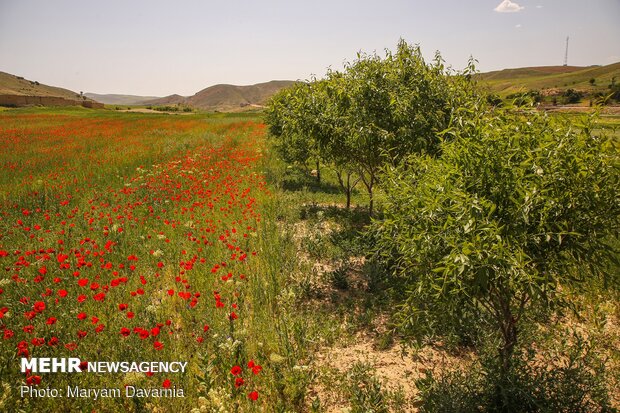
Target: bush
{"type": "Point", "coordinates": [517, 208]}
{"type": "Point", "coordinates": [494, 100]}
{"type": "Point", "coordinates": [571, 96]}
{"type": "Point", "coordinates": [537, 382]}
{"type": "Point", "coordinates": [525, 98]}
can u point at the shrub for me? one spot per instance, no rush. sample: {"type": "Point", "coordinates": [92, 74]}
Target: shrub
{"type": "Point", "coordinates": [517, 208]}
{"type": "Point", "coordinates": [537, 382]}
{"type": "Point", "coordinates": [525, 98]}
{"type": "Point", "coordinates": [571, 96]}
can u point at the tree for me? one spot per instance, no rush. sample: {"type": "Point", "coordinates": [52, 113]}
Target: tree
{"type": "Point", "coordinates": [375, 112]}
{"type": "Point", "coordinates": [395, 106]}
{"type": "Point", "coordinates": [518, 208]}
{"type": "Point", "coordinates": [290, 116]}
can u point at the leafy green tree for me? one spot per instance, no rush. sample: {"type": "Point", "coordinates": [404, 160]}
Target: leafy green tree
{"type": "Point", "coordinates": [375, 112]}
{"type": "Point", "coordinates": [518, 209]}
{"type": "Point", "coordinates": [291, 117]}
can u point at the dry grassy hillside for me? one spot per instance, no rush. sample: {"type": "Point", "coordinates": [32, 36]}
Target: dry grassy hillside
{"type": "Point", "coordinates": [17, 85]}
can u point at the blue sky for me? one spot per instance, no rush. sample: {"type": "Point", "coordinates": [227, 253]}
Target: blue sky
{"type": "Point", "coordinates": [164, 47]}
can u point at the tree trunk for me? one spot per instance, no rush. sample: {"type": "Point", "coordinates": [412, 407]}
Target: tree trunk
{"type": "Point", "coordinates": [318, 172]}
{"type": "Point", "coordinates": [348, 190]}
{"type": "Point", "coordinates": [508, 326]}
{"type": "Point", "coordinates": [369, 183]}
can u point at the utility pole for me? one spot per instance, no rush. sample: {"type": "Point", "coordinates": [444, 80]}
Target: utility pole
{"type": "Point", "coordinates": [566, 53]}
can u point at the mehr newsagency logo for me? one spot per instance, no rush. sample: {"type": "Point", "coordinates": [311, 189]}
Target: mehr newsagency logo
{"type": "Point", "coordinates": [42, 365]}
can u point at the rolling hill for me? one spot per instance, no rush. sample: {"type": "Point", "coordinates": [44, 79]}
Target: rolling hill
{"type": "Point", "coordinates": [18, 91]}
{"type": "Point", "coordinates": [224, 98]}
{"type": "Point", "coordinates": [17, 85]}
{"type": "Point", "coordinates": [167, 100]}
{"type": "Point", "coordinates": [553, 78]}
{"type": "Point", "coordinates": [231, 97]}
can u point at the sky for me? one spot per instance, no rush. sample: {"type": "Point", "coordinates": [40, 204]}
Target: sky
{"type": "Point", "coordinates": [157, 48]}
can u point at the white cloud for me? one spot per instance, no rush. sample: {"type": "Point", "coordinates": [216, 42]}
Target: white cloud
{"type": "Point", "coordinates": [518, 26]}
{"type": "Point", "coordinates": [508, 6]}
{"type": "Point", "coordinates": [539, 7]}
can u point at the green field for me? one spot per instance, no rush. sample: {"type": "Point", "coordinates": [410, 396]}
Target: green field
{"type": "Point", "coordinates": [560, 78]}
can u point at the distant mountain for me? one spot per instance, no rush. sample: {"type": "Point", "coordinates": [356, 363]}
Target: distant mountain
{"type": "Point", "coordinates": [232, 98]}
{"type": "Point", "coordinates": [115, 99]}
{"type": "Point", "coordinates": [18, 91]}
{"type": "Point", "coordinates": [224, 98]}
{"type": "Point", "coordinates": [556, 78]}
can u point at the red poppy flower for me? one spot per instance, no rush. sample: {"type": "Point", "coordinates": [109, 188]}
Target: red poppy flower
{"type": "Point", "coordinates": [253, 396]}
{"type": "Point", "coordinates": [33, 380]}
{"type": "Point", "coordinates": [38, 306]}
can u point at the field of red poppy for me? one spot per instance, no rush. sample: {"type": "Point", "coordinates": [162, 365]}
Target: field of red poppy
{"type": "Point", "coordinates": [137, 238]}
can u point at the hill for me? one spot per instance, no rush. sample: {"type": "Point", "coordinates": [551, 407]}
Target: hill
{"type": "Point", "coordinates": [17, 85]}
{"type": "Point", "coordinates": [224, 98]}
{"type": "Point", "coordinates": [231, 97]}
{"type": "Point", "coordinates": [115, 99]}
{"type": "Point", "coordinates": [167, 100]}
{"type": "Point", "coordinates": [18, 91]}
{"type": "Point", "coordinates": [554, 78]}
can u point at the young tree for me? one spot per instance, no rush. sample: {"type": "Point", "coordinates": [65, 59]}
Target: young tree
{"type": "Point", "coordinates": [517, 209]}
{"type": "Point", "coordinates": [375, 112]}
{"type": "Point", "coordinates": [291, 120]}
